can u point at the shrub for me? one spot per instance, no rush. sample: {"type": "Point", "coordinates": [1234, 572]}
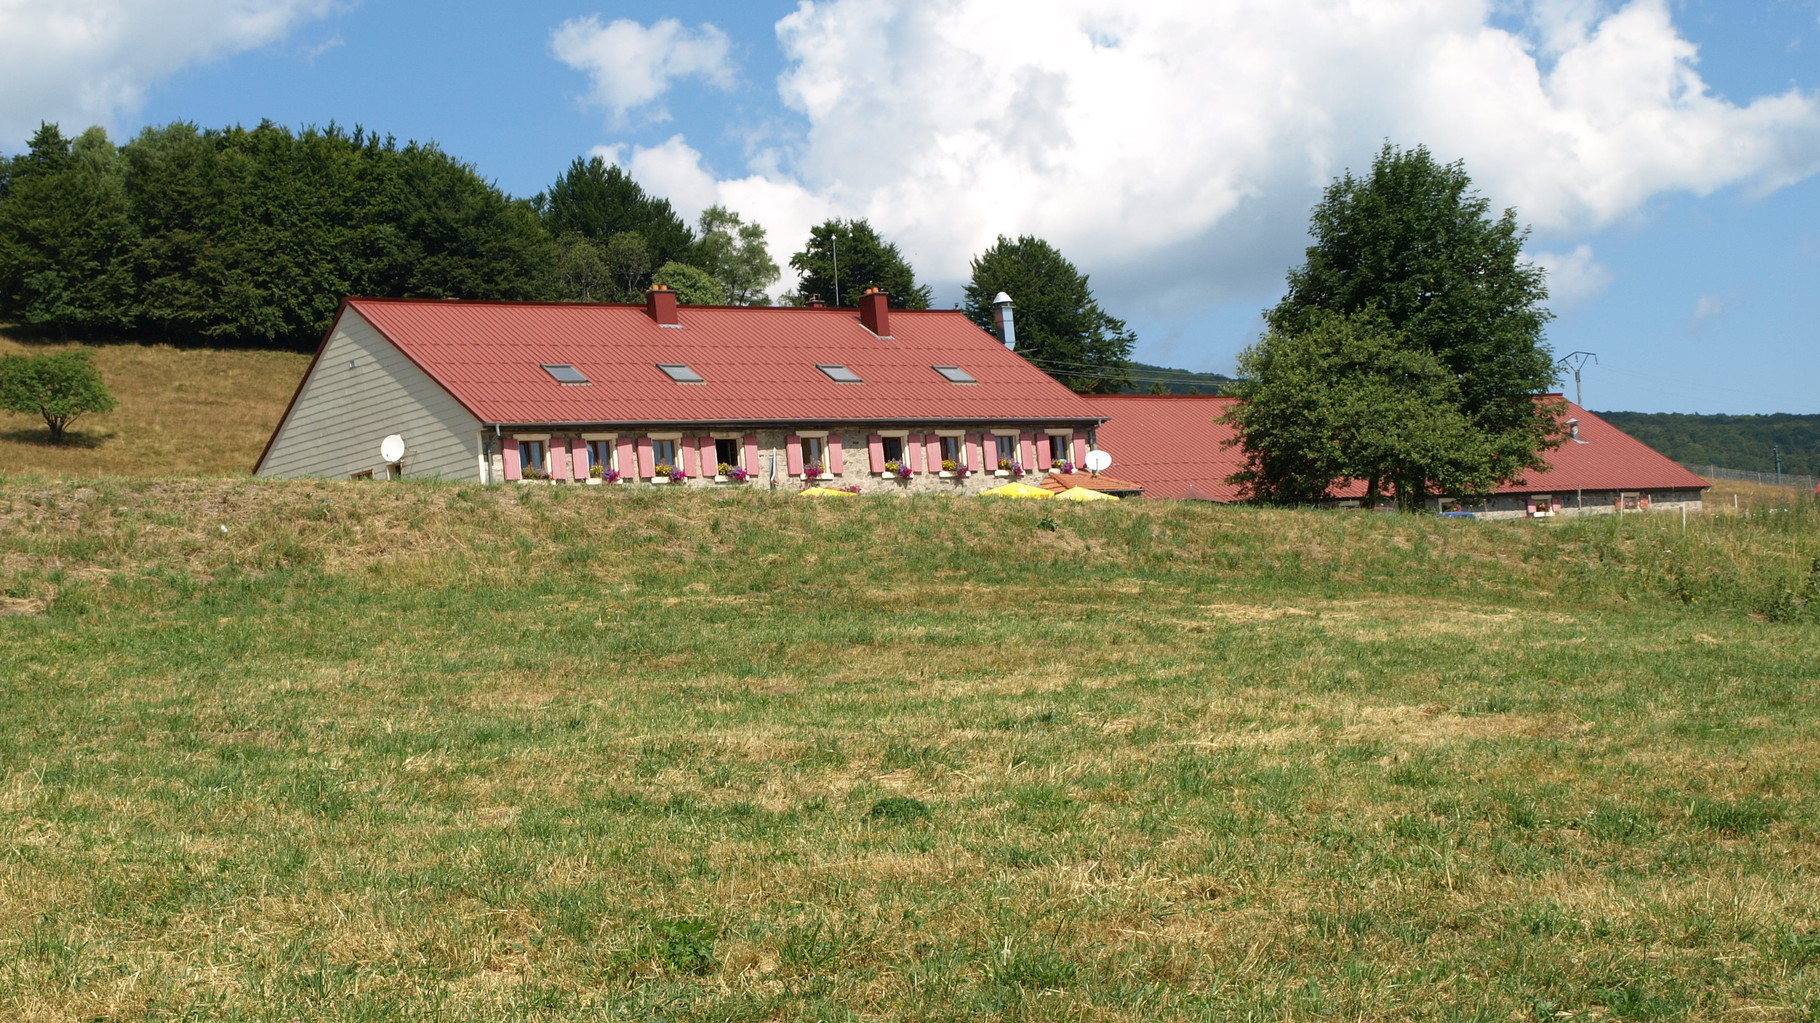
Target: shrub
{"type": "Point", "coordinates": [60, 386]}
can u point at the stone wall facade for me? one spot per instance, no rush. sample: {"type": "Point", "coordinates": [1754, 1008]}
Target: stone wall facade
{"type": "Point", "coordinates": [771, 470]}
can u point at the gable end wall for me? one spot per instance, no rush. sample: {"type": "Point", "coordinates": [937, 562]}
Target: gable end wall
{"type": "Point", "coordinates": [341, 414]}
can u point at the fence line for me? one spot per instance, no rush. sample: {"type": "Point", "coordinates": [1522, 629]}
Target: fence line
{"type": "Point", "coordinates": [1774, 479]}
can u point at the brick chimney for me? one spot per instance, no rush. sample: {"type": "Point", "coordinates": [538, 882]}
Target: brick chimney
{"type": "Point", "coordinates": [660, 305]}
{"type": "Point", "coordinates": [874, 313]}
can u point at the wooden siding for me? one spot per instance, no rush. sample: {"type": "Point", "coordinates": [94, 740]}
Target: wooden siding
{"type": "Point", "coordinates": [341, 414]}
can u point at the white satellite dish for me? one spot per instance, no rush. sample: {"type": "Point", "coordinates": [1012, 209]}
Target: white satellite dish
{"type": "Point", "coordinates": [1097, 461]}
{"type": "Point", "coordinates": [392, 448]}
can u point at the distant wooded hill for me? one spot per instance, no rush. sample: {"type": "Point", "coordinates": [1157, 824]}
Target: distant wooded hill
{"type": "Point", "coordinates": [1147, 379]}
{"type": "Point", "coordinates": [1732, 442]}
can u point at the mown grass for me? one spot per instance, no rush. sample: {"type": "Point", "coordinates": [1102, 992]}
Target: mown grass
{"type": "Point", "coordinates": [401, 752]}
{"type": "Point", "coordinates": [191, 411]}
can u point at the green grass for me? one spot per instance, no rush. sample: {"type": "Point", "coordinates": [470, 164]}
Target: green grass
{"type": "Point", "coordinates": [414, 752]}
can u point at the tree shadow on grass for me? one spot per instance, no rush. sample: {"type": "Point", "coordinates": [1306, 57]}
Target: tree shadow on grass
{"type": "Point", "coordinates": [41, 437]}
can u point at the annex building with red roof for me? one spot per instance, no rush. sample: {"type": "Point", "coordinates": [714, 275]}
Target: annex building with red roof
{"type": "Point", "coordinates": [883, 399]}
{"type": "Point", "coordinates": [1175, 446]}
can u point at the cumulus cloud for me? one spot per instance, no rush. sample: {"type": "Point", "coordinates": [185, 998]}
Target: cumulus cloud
{"type": "Point", "coordinates": [83, 62]}
{"type": "Point", "coordinates": [1573, 277]}
{"type": "Point", "coordinates": [631, 66]}
{"type": "Point", "coordinates": [1177, 146]}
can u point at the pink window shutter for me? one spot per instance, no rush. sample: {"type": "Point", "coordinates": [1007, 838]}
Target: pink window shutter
{"type": "Point", "coordinates": [710, 457]}
{"type": "Point", "coordinates": [578, 449]}
{"type": "Point", "coordinates": [1080, 453]}
{"type": "Point", "coordinates": [647, 461]}
{"type": "Point", "coordinates": [973, 452]}
{"type": "Point", "coordinates": [836, 464]}
{"type": "Point", "coordinates": [913, 452]}
{"type": "Point", "coordinates": [875, 446]}
{"type": "Point", "coordinates": [793, 454]}
{"type": "Point", "coordinates": [934, 448]}
{"type": "Point", "coordinates": [559, 459]}
{"type": "Point", "coordinates": [628, 458]}
{"type": "Point", "coordinates": [1028, 443]}
{"type": "Point", "coordinates": [686, 452]}
{"type": "Point", "coordinates": [751, 453]}
{"type": "Point", "coordinates": [510, 456]}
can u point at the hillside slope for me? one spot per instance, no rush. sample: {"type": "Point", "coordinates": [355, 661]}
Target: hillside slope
{"type": "Point", "coordinates": [325, 750]}
{"type": "Point", "coordinates": [182, 412]}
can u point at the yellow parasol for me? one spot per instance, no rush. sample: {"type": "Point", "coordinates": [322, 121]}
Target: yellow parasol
{"type": "Point", "coordinates": [1084, 494]}
{"type": "Point", "coordinates": [1016, 490]}
{"type": "Point", "coordinates": [824, 492]}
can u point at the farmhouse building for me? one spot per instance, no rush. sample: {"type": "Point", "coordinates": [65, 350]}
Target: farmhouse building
{"type": "Point", "coordinates": [1175, 446]}
{"type": "Point", "coordinates": [882, 399]}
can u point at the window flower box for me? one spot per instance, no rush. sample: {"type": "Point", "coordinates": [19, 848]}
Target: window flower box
{"type": "Point", "coordinates": [728, 473]}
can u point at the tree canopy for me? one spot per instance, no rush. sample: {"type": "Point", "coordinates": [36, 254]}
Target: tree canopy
{"type": "Point", "coordinates": [60, 387]}
{"type": "Point", "coordinates": [1058, 324]}
{"type": "Point", "coordinates": [600, 202]}
{"type": "Point", "coordinates": [734, 254]}
{"type": "Point", "coordinates": [842, 258]}
{"type": "Point", "coordinates": [1417, 299]}
{"type": "Point", "coordinates": [250, 235]}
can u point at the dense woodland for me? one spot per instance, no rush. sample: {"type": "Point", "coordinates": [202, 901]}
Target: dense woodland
{"type": "Point", "coordinates": [1750, 443]}
{"type": "Point", "coordinates": [251, 237]}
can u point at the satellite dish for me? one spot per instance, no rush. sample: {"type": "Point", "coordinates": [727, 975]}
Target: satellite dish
{"type": "Point", "coordinates": [392, 448]}
{"type": "Point", "coordinates": [1097, 461]}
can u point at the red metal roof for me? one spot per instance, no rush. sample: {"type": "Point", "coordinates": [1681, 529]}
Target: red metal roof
{"type": "Point", "coordinates": [759, 364]}
{"type": "Point", "coordinates": [1173, 446]}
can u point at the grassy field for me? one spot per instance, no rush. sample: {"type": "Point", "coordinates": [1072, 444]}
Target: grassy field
{"type": "Point", "coordinates": [191, 412]}
{"type": "Point", "coordinates": [332, 751]}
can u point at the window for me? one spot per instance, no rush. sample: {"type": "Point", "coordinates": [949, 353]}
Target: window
{"type": "Point", "coordinates": [841, 374]}
{"type": "Point", "coordinates": [893, 448]}
{"type": "Point", "coordinates": [815, 453]}
{"type": "Point", "coordinates": [1058, 448]}
{"type": "Point", "coordinates": [680, 373]}
{"type": "Point", "coordinates": [951, 450]}
{"type": "Point", "coordinates": [726, 452]}
{"type": "Point", "coordinates": [663, 452]}
{"type": "Point", "coordinates": [600, 452]}
{"type": "Point", "coordinates": [1004, 451]}
{"type": "Point", "coordinates": [1630, 500]}
{"type": "Point", "coordinates": [565, 374]}
{"type": "Point", "coordinates": [955, 374]}
{"type": "Point", "coordinates": [1542, 504]}
{"type": "Point", "coordinates": [533, 458]}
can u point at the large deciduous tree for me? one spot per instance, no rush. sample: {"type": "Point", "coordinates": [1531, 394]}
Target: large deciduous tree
{"type": "Point", "coordinates": [67, 234]}
{"type": "Point", "coordinates": [1059, 326]}
{"type": "Point", "coordinates": [599, 201]}
{"type": "Point", "coordinates": [1410, 261]}
{"type": "Point", "coordinates": [844, 257]}
{"type": "Point", "coordinates": [734, 254]}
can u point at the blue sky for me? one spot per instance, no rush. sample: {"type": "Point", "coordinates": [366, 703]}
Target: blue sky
{"type": "Point", "coordinates": [1666, 154]}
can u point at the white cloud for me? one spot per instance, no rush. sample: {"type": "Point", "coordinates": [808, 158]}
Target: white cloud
{"type": "Point", "coordinates": [1707, 308]}
{"type": "Point", "coordinates": [1573, 277]}
{"type": "Point", "coordinates": [631, 66]}
{"type": "Point", "coordinates": [1174, 148]}
{"type": "Point", "coordinates": [83, 62]}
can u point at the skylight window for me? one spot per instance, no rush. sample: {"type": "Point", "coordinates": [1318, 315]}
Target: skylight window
{"type": "Point", "coordinates": [680, 373]}
{"type": "Point", "coordinates": [563, 373]}
{"type": "Point", "coordinates": [841, 374]}
{"type": "Point", "coordinates": [955, 374]}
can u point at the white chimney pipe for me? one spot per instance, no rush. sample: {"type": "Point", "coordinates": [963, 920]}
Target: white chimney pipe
{"type": "Point", "coordinates": [1001, 314]}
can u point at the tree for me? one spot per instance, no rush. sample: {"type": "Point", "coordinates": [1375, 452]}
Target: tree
{"type": "Point", "coordinates": [1059, 326]}
{"type": "Point", "coordinates": [692, 284]}
{"type": "Point", "coordinates": [1343, 399]}
{"type": "Point", "coordinates": [598, 200]}
{"type": "Point", "coordinates": [1414, 247]}
{"type": "Point", "coordinates": [60, 386]}
{"type": "Point", "coordinates": [67, 235]}
{"type": "Point", "coordinates": [735, 255]}
{"type": "Point", "coordinates": [845, 257]}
